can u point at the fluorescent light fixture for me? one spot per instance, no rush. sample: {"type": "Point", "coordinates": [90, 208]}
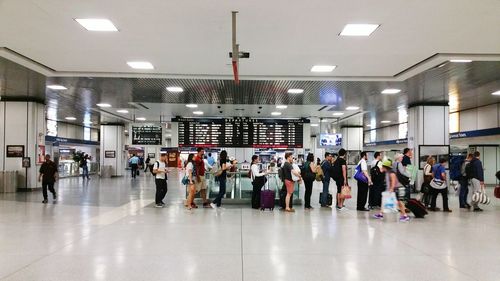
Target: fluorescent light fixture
{"type": "Point", "coordinates": [369, 126]}
{"type": "Point", "coordinates": [295, 91]}
{"type": "Point", "coordinates": [353, 29]}
{"type": "Point", "coordinates": [323, 68]}
{"type": "Point", "coordinates": [325, 121]}
{"type": "Point", "coordinates": [352, 108]}
{"type": "Point", "coordinates": [281, 106]}
{"type": "Point", "coordinates": [103, 105]}
{"type": "Point", "coordinates": [461, 60]}
{"type": "Point", "coordinates": [275, 113]}
{"type": "Point", "coordinates": [391, 91]}
{"type": "Point", "coordinates": [198, 112]}
{"type": "Point", "coordinates": [140, 119]}
{"type": "Point", "coordinates": [122, 111]}
{"type": "Point", "coordinates": [314, 125]}
{"type": "Point", "coordinates": [338, 113]}
{"type": "Point", "coordinates": [191, 105]}
{"type": "Point", "coordinates": [140, 65]}
{"type": "Point", "coordinates": [385, 121]}
{"type": "Point", "coordinates": [497, 93]}
{"type": "Point", "coordinates": [87, 122]}
{"type": "Point", "coordinates": [97, 24]}
{"type": "Point", "coordinates": [175, 89]}
{"type": "Point", "coordinates": [70, 118]}
{"type": "Point", "coordinates": [57, 87]}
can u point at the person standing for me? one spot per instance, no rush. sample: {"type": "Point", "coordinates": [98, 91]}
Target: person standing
{"type": "Point", "coordinates": [224, 166]}
{"type": "Point", "coordinates": [407, 155]}
{"type": "Point", "coordinates": [308, 177]}
{"type": "Point", "coordinates": [378, 178]}
{"type": "Point", "coordinates": [160, 171]}
{"type": "Point", "coordinates": [399, 168]}
{"type": "Point", "coordinates": [340, 177]}
{"type": "Point", "coordinates": [363, 186]}
{"type": "Point", "coordinates": [326, 167]}
{"type": "Point", "coordinates": [439, 186]}
{"type": "Point", "coordinates": [85, 166]}
{"type": "Point", "coordinates": [464, 183]}
{"type": "Point", "coordinates": [477, 178]}
{"type": "Point", "coordinates": [48, 176]}
{"type": "Point", "coordinates": [288, 170]}
{"type": "Point", "coordinates": [200, 180]}
{"type": "Point", "coordinates": [258, 181]}
{"type": "Point", "coordinates": [426, 185]}
{"type": "Point", "coordinates": [134, 165]}
{"type": "Point", "coordinates": [211, 160]}
{"type": "Point", "coordinates": [190, 173]}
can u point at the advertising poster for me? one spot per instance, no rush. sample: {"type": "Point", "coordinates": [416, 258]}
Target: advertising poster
{"type": "Point", "coordinates": [40, 154]}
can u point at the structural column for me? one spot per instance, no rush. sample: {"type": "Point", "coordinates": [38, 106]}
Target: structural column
{"type": "Point", "coordinates": [111, 144]}
{"type": "Point", "coordinates": [22, 134]}
{"type": "Point", "coordinates": [352, 138]}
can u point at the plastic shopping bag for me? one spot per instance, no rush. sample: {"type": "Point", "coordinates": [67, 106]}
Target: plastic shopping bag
{"type": "Point", "coordinates": [389, 202]}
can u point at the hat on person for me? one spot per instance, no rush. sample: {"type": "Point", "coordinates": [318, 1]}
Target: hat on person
{"type": "Point", "coordinates": [387, 163]}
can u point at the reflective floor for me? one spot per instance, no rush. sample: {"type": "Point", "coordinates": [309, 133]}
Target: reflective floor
{"type": "Point", "coordinates": [109, 230]}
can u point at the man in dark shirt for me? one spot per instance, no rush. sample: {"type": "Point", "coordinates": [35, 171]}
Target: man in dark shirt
{"type": "Point", "coordinates": [477, 181]}
{"type": "Point", "coordinates": [326, 166]}
{"type": "Point", "coordinates": [48, 176]}
{"type": "Point", "coordinates": [340, 172]}
{"type": "Point", "coordinates": [407, 155]}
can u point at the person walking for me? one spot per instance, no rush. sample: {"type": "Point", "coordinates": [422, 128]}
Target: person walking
{"type": "Point", "coordinates": [326, 167]}
{"type": "Point", "coordinates": [399, 168]}
{"type": "Point", "coordinates": [439, 185]}
{"type": "Point", "coordinates": [288, 170]}
{"type": "Point", "coordinates": [224, 166]}
{"type": "Point", "coordinates": [258, 181]}
{"type": "Point", "coordinates": [477, 178]}
{"type": "Point", "coordinates": [362, 185]}
{"type": "Point", "coordinates": [160, 171]}
{"type": "Point", "coordinates": [340, 177]}
{"type": "Point", "coordinates": [85, 166]}
{"type": "Point", "coordinates": [378, 182]}
{"type": "Point", "coordinates": [200, 180]}
{"type": "Point", "coordinates": [134, 165]}
{"type": "Point", "coordinates": [308, 176]}
{"type": "Point", "coordinates": [426, 187]}
{"type": "Point", "coordinates": [48, 176]}
{"type": "Point", "coordinates": [190, 173]}
{"type": "Point", "coordinates": [464, 184]}
{"type": "Point", "coordinates": [146, 163]}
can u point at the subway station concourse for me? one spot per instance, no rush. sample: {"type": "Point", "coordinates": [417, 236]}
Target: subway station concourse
{"type": "Point", "coordinates": [182, 140]}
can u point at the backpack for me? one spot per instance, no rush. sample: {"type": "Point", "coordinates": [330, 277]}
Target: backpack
{"type": "Point", "coordinates": [281, 174]}
{"type": "Point", "coordinates": [470, 173]}
{"type": "Point", "coordinates": [152, 171]}
{"type": "Point", "coordinates": [375, 173]}
{"type": "Point", "coordinates": [403, 179]}
{"type": "Point", "coordinates": [336, 171]}
{"type": "Point", "coordinates": [306, 172]}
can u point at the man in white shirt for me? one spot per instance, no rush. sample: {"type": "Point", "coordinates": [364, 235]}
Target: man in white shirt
{"type": "Point", "coordinates": [363, 186]}
{"type": "Point", "coordinates": [160, 171]}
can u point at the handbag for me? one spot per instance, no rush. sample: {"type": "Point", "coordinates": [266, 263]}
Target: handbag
{"type": "Point", "coordinates": [438, 184]}
{"type": "Point", "coordinates": [319, 174]}
{"type": "Point", "coordinates": [497, 192]}
{"type": "Point", "coordinates": [359, 175]}
{"type": "Point", "coordinates": [389, 202]}
{"type": "Point", "coordinates": [346, 192]}
{"type": "Point", "coordinates": [185, 180]}
{"type": "Point", "coordinates": [480, 197]}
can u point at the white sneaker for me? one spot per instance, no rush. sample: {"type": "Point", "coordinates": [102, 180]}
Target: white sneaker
{"type": "Point", "coordinates": [159, 206]}
{"type": "Point", "coordinates": [344, 209]}
{"type": "Point", "coordinates": [213, 206]}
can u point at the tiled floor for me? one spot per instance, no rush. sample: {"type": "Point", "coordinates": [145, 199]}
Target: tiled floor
{"type": "Point", "coordinates": [108, 230]}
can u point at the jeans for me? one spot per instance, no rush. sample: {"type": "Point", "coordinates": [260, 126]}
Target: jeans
{"type": "Point", "coordinates": [50, 185]}
{"type": "Point", "coordinates": [85, 173]}
{"type": "Point", "coordinates": [256, 194]}
{"type": "Point", "coordinates": [134, 170]}
{"type": "Point", "coordinates": [161, 190]}
{"type": "Point", "coordinates": [326, 190]}
{"type": "Point", "coordinates": [444, 193]}
{"type": "Point", "coordinates": [362, 195]}
{"type": "Point", "coordinates": [464, 192]}
{"type": "Point", "coordinates": [307, 194]}
{"type": "Point", "coordinates": [222, 191]}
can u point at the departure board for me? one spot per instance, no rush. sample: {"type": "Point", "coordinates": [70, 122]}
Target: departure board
{"type": "Point", "coordinates": [147, 135]}
{"type": "Point", "coordinates": [240, 132]}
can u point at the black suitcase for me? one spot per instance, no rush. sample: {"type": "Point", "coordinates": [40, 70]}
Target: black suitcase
{"type": "Point", "coordinates": [417, 208]}
{"type": "Point", "coordinates": [330, 198]}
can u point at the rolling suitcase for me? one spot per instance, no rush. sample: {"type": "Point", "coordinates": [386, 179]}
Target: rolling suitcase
{"type": "Point", "coordinates": [330, 198]}
{"type": "Point", "coordinates": [267, 199]}
{"type": "Point", "coordinates": [417, 208]}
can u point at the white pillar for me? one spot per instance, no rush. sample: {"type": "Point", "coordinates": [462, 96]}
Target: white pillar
{"type": "Point", "coordinates": [22, 124]}
{"type": "Point", "coordinates": [174, 141]}
{"type": "Point", "coordinates": [352, 138]}
{"type": "Point", "coordinates": [112, 137]}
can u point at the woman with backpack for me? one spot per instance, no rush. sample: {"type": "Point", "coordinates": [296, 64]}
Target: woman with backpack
{"type": "Point", "coordinates": [309, 175]}
{"type": "Point", "coordinates": [426, 185]}
{"type": "Point", "coordinates": [190, 174]}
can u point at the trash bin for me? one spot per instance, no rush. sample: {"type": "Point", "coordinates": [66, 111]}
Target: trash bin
{"type": "Point", "coordinates": [8, 181]}
{"type": "Point", "coordinates": [106, 171]}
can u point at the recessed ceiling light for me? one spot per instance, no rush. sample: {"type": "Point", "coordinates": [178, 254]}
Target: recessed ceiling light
{"type": "Point", "coordinates": [198, 112]}
{"type": "Point", "coordinates": [352, 108]}
{"type": "Point", "coordinates": [338, 113]}
{"type": "Point", "coordinates": [460, 60]}
{"type": "Point", "coordinates": [122, 111]}
{"type": "Point", "coordinates": [140, 119]}
{"type": "Point", "coordinates": [70, 118]}
{"type": "Point", "coordinates": [97, 24]}
{"type": "Point", "coordinates": [103, 105]}
{"type": "Point", "coordinates": [140, 65]}
{"type": "Point", "coordinates": [295, 91]}
{"type": "Point", "coordinates": [314, 125]}
{"type": "Point", "coordinates": [275, 113]}
{"type": "Point", "coordinates": [358, 29]}
{"type": "Point", "coordinates": [323, 68]}
{"type": "Point", "coordinates": [281, 106]}
{"type": "Point", "coordinates": [175, 89]}
{"type": "Point", "coordinates": [385, 121]}
{"type": "Point", "coordinates": [391, 91]}
{"type": "Point", "coordinates": [56, 87]}
{"type": "Point", "coordinates": [125, 131]}
{"type": "Point", "coordinates": [497, 93]}
{"type": "Point", "coordinates": [191, 105]}
{"type": "Point", "coordinates": [87, 122]}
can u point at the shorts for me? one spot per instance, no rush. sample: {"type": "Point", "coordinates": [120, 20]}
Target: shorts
{"type": "Point", "coordinates": [340, 184]}
{"type": "Point", "coordinates": [289, 186]}
{"type": "Point", "coordinates": [201, 184]}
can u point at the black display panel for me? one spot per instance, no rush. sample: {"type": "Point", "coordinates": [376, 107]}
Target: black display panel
{"type": "Point", "coordinates": [150, 135]}
{"type": "Point", "coordinates": [240, 132]}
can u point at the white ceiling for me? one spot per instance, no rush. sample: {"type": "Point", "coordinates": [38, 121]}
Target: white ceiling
{"type": "Point", "coordinates": [285, 37]}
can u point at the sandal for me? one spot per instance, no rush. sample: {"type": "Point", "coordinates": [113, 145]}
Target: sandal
{"type": "Point", "coordinates": [290, 210]}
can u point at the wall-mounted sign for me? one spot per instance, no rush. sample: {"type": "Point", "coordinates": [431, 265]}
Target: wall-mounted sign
{"type": "Point", "coordinates": [109, 154]}
{"type": "Point", "coordinates": [151, 155]}
{"type": "Point", "coordinates": [26, 162]}
{"type": "Point", "coordinates": [147, 135]}
{"type": "Point", "coordinates": [15, 151]}
{"type": "Point", "coordinates": [40, 154]}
